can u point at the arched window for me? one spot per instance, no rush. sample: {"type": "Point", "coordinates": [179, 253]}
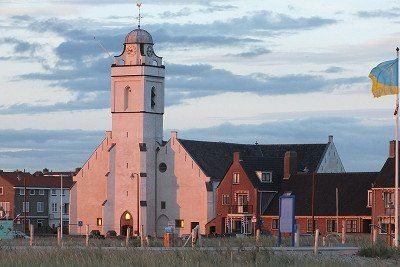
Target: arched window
{"type": "Point", "coordinates": [127, 92]}
{"type": "Point", "coordinates": [153, 97]}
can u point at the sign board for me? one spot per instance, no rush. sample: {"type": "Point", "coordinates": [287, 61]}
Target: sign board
{"type": "Point", "coordinates": [286, 216]}
{"type": "Point", "coordinates": [6, 228]}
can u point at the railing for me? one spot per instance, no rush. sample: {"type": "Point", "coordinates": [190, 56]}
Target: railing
{"type": "Point", "coordinates": [240, 209]}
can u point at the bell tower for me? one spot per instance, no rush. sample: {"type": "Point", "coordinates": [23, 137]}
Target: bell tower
{"type": "Point", "coordinates": [137, 107]}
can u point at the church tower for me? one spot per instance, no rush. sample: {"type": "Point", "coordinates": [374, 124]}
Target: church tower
{"type": "Point", "coordinates": [137, 107]}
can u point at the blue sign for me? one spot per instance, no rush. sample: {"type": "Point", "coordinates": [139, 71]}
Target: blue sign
{"type": "Point", "coordinates": [6, 228]}
{"type": "Point", "coordinates": [286, 216]}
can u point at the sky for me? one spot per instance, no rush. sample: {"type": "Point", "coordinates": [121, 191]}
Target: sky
{"type": "Point", "coordinates": [236, 71]}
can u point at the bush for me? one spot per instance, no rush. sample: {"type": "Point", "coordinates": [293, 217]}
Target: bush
{"type": "Point", "coordinates": [381, 251]}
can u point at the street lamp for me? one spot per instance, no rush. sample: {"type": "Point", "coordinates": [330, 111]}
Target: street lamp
{"type": "Point", "coordinates": [24, 204]}
{"type": "Point", "coordinates": [137, 198]}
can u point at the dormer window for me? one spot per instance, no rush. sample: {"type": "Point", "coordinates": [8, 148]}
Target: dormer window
{"type": "Point", "coordinates": [265, 177]}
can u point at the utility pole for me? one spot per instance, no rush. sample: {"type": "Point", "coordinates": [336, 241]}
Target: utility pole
{"type": "Point", "coordinates": [312, 202]}
{"type": "Point", "coordinates": [337, 210]}
{"type": "Point", "coordinates": [61, 208]}
{"type": "Point", "coordinates": [25, 197]}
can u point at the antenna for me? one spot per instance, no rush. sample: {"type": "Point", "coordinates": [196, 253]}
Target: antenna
{"type": "Point", "coordinates": [105, 50]}
{"type": "Point", "coordinates": [139, 16]}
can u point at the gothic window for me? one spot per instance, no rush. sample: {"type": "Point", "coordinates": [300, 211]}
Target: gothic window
{"type": "Point", "coordinates": [153, 97]}
{"type": "Point", "coordinates": [126, 97]}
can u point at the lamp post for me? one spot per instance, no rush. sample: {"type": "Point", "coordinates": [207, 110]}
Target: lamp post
{"type": "Point", "coordinates": [24, 203]}
{"type": "Point", "coordinates": [137, 199]}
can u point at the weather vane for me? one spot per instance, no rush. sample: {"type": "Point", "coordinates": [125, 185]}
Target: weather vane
{"type": "Point", "coordinates": [139, 16]}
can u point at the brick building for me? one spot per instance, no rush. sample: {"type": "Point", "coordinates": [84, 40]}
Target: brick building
{"type": "Point", "coordinates": [252, 186]}
{"type": "Point", "coordinates": [38, 193]}
{"type": "Point", "coordinates": [381, 196]}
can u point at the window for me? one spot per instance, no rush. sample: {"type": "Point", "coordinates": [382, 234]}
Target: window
{"type": "Point", "coordinates": [126, 97]}
{"type": "Point", "coordinates": [388, 199]}
{"type": "Point", "coordinates": [25, 206]}
{"type": "Point", "coordinates": [22, 192]}
{"type": "Point", "coordinates": [41, 192]}
{"type": "Point", "coordinates": [351, 226]}
{"type": "Point", "coordinates": [226, 200]}
{"type": "Point", "coordinates": [153, 97]}
{"type": "Point", "coordinates": [310, 225]}
{"type": "Point", "coordinates": [99, 221]}
{"type": "Point", "coordinates": [162, 167]}
{"type": "Point", "coordinates": [4, 210]}
{"type": "Point", "coordinates": [39, 223]}
{"type": "Point", "coordinates": [65, 208]}
{"type": "Point", "coordinates": [266, 177]}
{"type": "Point", "coordinates": [54, 207]}
{"type": "Point", "coordinates": [275, 224]}
{"type": "Point", "coordinates": [1, 191]}
{"type": "Point", "coordinates": [331, 226]}
{"type": "Point", "coordinates": [54, 192]}
{"type": "Point", "coordinates": [64, 192]}
{"type": "Point", "coordinates": [179, 223]}
{"type": "Point", "coordinates": [32, 192]}
{"type": "Point", "coordinates": [163, 205]}
{"type": "Point", "coordinates": [369, 201]}
{"type": "Point", "coordinates": [40, 207]}
{"type": "Point", "coordinates": [236, 178]}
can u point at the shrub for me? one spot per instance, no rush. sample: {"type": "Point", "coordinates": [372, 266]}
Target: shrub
{"type": "Point", "coordinates": [381, 251]}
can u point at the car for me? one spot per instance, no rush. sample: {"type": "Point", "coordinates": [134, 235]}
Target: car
{"type": "Point", "coordinates": [19, 234]}
{"type": "Point", "coordinates": [111, 233]}
{"type": "Point", "coordinates": [95, 234]}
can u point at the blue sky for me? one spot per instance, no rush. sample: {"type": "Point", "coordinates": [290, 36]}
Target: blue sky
{"type": "Point", "coordinates": [237, 71]}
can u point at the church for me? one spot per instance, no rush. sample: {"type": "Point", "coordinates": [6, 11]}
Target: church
{"type": "Point", "coordinates": [135, 180]}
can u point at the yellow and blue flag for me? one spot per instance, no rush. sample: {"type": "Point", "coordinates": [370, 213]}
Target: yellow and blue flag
{"type": "Point", "coordinates": [385, 78]}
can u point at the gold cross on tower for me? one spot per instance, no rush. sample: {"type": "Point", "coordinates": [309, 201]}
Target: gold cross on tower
{"type": "Point", "coordinates": [139, 16]}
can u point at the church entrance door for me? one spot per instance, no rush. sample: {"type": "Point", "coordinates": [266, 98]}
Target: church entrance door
{"type": "Point", "coordinates": [126, 223]}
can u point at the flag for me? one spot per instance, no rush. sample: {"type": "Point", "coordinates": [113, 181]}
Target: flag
{"type": "Point", "coordinates": [138, 5]}
{"type": "Point", "coordinates": [385, 78]}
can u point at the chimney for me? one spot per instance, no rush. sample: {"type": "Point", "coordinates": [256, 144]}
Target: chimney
{"type": "Point", "coordinates": [290, 164]}
{"type": "Point", "coordinates": [330, 138]}
{"type": "Point", "coordinates": [392, 149]}
{"type": "Point", "coordinates": [236, 156]}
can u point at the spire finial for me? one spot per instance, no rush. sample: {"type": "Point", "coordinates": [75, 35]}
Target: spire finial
{"type": "Point", "coordinates": [139, 16]}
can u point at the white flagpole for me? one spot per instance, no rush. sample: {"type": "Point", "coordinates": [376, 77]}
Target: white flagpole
{"type": "Point", "coordinates": [396, 182]}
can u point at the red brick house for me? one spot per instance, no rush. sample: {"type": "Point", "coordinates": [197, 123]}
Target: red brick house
{"type": "Point", "coordinates": [381, 196]}
{"type": "Point", "coordinates": [248, 183]}
{"type": "Point", "coordinates": [252, 185]}
{"type": "Point", "coordinates": [352, 202]}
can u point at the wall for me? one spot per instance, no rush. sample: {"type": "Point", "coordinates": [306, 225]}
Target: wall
{"type": "Point", "coordinates": [226, 187]}
{"type": "Point", "coordinates": [331, 162]}
{"type": "Point", "coordinates": [8, 195]}
{"type": "Point", "coordinates": [89, 191]}
{"type": "Point", "coordinates": [182, 187]}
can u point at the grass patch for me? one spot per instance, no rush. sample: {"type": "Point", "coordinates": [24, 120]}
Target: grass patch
{"type": "Point", "coordinates": [381, 251]}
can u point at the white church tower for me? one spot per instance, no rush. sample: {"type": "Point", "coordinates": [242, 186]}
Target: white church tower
{"type": "Point", "coordinates": [137, 107]}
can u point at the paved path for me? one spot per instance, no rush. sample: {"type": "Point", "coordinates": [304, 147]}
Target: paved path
{"type": "Point", "coordinates": [336, 250]}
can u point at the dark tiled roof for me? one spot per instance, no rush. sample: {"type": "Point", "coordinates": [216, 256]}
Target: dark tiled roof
{"type": "Point", "coordinates": [253, 164]}
{"type": "Point", "coordinates": [385, 178]}
{"type": "Point", "coordinates": [35, 181]}
{"type": "Point", "coordinates": [214, 158]}
{"type": "Point", "coordinates": [352, 187]}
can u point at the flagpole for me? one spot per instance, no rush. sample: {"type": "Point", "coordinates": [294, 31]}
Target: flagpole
{"type": "Point", "coordinates": [396, 182]}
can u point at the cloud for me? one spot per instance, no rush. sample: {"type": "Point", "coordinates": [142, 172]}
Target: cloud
{"type": "Point", "coordinates": [334, 69]}
{"type": "Point", "coordinates": [361, 147]}
{"type": "Point", "coordinates": [191, 81]}
{"type": "Point", "coordinates": [36, 149]}
{"type": "Point", "coordinates": [20, 46]}
{"type": "Point", "coordinates": [217, 8]}
{"type": "Point", "coordinates": [184, 12]}
{"type": "Point", "coordinates": [392, 13]}
{"type": "Point", "coordinates": [252, 53]}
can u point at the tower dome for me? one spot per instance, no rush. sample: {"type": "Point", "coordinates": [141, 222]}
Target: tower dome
{"type": "Point", "coordinates": [138, 36]}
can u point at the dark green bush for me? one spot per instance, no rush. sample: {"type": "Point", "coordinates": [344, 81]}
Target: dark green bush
{"type": "Point", "coordinates": [381, 251]}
